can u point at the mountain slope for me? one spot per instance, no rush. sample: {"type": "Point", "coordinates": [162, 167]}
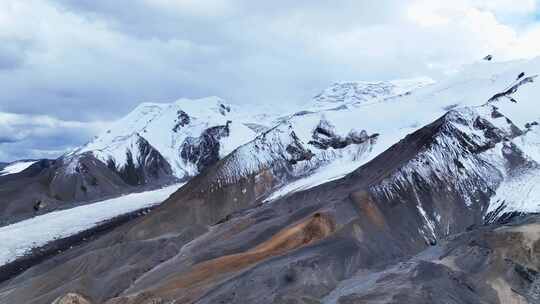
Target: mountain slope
{"type": "Point", "coordinates": [51, 184]}
{"type": "Point", "coordinates": [313, 147]}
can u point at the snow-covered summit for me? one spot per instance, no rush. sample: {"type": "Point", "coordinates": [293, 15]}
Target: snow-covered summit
{"type": "Point", "coordinates": [191, 134]}
{"type": "Point", "coordinates": [183, 132]}
{"type": "Point", "coordinates": [365, 91]}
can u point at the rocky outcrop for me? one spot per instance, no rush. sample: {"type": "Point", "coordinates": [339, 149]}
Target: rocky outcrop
{"type": "Point", "coordinates": [324, 137]}
{"type": "Point", "coordinates": [203, 151]}
{"type": "Point", "coordinates": [182, 120]}
{"type": "Point", "coordinates": [71, 298]}
{"type": "Point", "coordinates": [486, 265]}
{"type": "Point", "coordinates": [144, 165]}
{"type": "Point", "coordinates": [520, 81]}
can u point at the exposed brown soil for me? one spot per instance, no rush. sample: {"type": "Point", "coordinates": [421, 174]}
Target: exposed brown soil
{"type": "Point", "coordinates": [310, 230]}
{"type": "Point", "coordinates": [367, 206]}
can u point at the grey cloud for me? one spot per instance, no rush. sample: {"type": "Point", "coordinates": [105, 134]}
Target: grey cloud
{"type": "Point", "coordinates": [7, 139]}
{"type": "Point", "coordinates": [241, 52]}
{"type": "Point", "coordinates": [35, 136]}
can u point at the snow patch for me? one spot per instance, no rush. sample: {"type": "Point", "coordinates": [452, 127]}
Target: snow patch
{"type": "Point", "coordinates": [518, 193]}
{"type": "Point", "coordinates": [16, 167]}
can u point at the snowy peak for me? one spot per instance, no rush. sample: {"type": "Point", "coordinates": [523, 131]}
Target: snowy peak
{"type": "Point", "coordinates": [465, 149]}
{"type": "Point", "coordinates": [188, 134]}
{"type": "Point", "coordinates": [362, 91]}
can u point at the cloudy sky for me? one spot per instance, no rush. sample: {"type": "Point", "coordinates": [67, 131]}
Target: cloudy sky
{"type": "Point", "coordinates": [69, 67]}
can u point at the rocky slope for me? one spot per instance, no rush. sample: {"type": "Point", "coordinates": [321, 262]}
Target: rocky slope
{"type": "Point", "coordinates": [50, 184]}
{"type": "Point", "coordinates": [486, 265]}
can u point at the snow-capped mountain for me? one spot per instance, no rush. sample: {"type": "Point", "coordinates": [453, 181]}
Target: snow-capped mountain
{"type": "Point", "coordinates": [302, 207]}
{"type": "Point", "coordinates": [182, 138]}
{"type": "Point", "coordinates": [160, 143]}
{"type": "Point", "coordinates": [191, 135]}
{"type": "Point", "coordinates": [188, 134]}
{"type": "Point", "coordinates": [314, 147]}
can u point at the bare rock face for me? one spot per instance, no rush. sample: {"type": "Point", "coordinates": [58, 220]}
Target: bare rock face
{"type": "Point", "coordinates": [182, 120]}
{"type": "Point", "coordinates": [144, 165]}
{"type": "Point", "coordinates": [203, 151]}
{"type": "Point", "coordinates": [71, 298]}
{"type": "Point", "coordinates": [512, 89]}
{"type": "Point", "coordinates": [297, 152]}
{"type": "Point", "coordinates": [324, 137]}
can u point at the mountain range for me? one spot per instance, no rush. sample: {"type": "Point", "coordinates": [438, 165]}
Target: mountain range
{"type": "Point", "coordinates": [405, 191]}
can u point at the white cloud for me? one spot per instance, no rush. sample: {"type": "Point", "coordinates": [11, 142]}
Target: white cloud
{"type": "Point", "coordinates": [506, 6]}
{"type": "Point", "coordinates": [207, 8]}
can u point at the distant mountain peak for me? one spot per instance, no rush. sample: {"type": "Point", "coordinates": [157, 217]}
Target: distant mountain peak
{"type": "Point", "coordinates": [368, 91]}
{"type": "Point", "coordinates": [177, 131]}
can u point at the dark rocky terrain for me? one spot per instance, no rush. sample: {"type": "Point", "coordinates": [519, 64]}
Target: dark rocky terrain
{"type": "Point", "coordinates": [49, 185]}
{"type": "Point", "coordinates": [44, 186]}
